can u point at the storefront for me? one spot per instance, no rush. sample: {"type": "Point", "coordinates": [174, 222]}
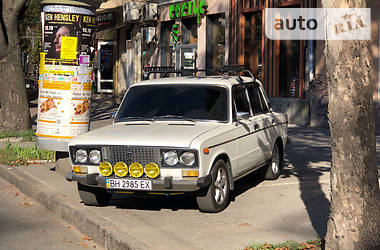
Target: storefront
{"type": "Point", "coordinates": [194, 34]}
{"type": "Point", "coordinates": [283, 65]}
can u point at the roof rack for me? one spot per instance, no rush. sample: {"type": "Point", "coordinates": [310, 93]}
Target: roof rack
{"type": "Point", "coordinates": [233, 70]}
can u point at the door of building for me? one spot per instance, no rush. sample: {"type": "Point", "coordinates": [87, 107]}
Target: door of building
{"type": "Point", "coordinates": [186, 56]}
{"type": "Point", "coordinates": [105, 67]}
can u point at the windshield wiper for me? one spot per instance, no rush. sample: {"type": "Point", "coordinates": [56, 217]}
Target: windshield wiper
{"type": "Point", "coordinates": [134, 118]}
{"type": "Point", "coordinates": [174, 117]}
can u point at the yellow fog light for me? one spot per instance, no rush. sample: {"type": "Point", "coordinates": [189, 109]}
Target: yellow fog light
{"type": "Point", "coordinates": [80, 169]}
{"type": "Point", "coordinates": [105, 168]}
{"type": "Point", "coordinates": [136, 170]}
{"type": "Point", "coordinates": [190, 173]}
{"type": "Point", "coordinates": [152, 170]}
{"type": "Point", "coordinates": [121, 169]}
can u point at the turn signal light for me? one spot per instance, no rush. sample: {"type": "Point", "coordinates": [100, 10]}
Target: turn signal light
{"type": "Point", "coordinates": [190, 173]}
{"type": "Point", "coordinates": [136, 170]}
{"type": "Point", "coordinates": [121, 169]}
{"type": "Point", "coordinates": [105, 168]}
{"type": "Point", "coordinates": [152, 170]}
{"type": "Point", "coordinates": [80, 169]}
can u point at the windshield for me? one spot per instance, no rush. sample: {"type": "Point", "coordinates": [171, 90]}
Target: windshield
{"type": "Point", "coordinates": [177, 101]}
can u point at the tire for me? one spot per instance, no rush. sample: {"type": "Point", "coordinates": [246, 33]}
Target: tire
{"type": "Point", "coordinates": [274, 165]}
{"type": "Point", "coordinates": [217, 196]}
{"type": "Point", "coordinates": [93, 196]}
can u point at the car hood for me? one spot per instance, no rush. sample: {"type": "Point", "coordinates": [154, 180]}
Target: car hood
{"type": "Point", "coordinates": [170, 134]}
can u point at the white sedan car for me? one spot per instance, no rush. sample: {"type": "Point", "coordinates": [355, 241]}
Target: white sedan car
{"type": "Point", "coordinates": [193, 135]}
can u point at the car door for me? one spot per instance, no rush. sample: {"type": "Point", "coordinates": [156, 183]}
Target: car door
{"type": "Point", "coordinates": [261, 120]}
{"type": "Point", "coordinates": [246, 142]}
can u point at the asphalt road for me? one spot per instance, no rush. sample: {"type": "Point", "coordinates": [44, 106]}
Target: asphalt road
{"type": "Point", "coordinates": [25, 224]}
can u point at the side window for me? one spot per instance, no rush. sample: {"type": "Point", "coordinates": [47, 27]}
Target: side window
{"type": "Point", "coordinates": [241, 101]}
{"type": "Point", "coordinates": [263, 103]}
{"type": "Point", "coordinates": [256, 99]}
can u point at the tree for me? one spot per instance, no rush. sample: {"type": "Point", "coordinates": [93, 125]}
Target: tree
{"type": "Point", "coordinates": [354, 221]}
{"type": "Point", "coordinates": [14, 104]}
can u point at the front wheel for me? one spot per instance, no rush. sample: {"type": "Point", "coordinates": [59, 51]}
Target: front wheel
{"type": "Point", "coordinates": [93, 196]}
{"type": "Point", "coordinates": [274, 166]}
{"type": "Point", "coordinates": [217, 197]}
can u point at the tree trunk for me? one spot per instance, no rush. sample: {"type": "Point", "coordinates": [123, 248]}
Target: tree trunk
{"type": "Point", "coordinates": [14, 103]}
{"type": "Point", "coordinates": [354, 221]}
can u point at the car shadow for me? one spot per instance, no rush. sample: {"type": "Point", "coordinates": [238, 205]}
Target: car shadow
{"type": "Point", "coordinates": [154, 203]}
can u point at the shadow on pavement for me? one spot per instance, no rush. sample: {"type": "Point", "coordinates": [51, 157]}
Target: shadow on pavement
{"type": "Point", "coordinates": [154, 203]}
{"type": "Point", "coordinates": [308, 158]}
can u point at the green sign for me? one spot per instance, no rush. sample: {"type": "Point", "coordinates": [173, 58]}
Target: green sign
{"type": "Point", "coordinates": [174, 34]}
{"type": "Point", "coordinates": [188, 9]}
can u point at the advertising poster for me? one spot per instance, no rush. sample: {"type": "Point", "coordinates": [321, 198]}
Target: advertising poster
{"type": "Point", "coordinates": [65, 72]}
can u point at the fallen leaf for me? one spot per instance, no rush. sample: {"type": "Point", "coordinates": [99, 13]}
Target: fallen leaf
{"type": "Point", "coordinates": [27, 204]}
{"type": "Point", "coordinates": [63, 239]}
{"type": "Point", "coordinates": [69, 227]}
{"type": "Point", "coordinates": [94, 246]}
{"type": "Point", "coordinates": [86, 237]}
{"type": "Point", "coordinates": [17, 194]}
{"type": "Point", "coordinates": [80, 243]}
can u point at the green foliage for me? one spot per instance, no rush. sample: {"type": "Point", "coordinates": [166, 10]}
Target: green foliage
{"type": "Point", "coordinates": [27, 135]}
{"type": "Point", "coordinates": [32, 12]}
{"type": "Point", "coordinates": [30, 30]}
{"type": "Point", "coordinates": [16, 155]}
{"type": "Point", "coordinates": [288, 245]}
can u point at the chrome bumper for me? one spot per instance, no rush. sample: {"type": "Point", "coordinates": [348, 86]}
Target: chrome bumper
{"type": "Point", "coordinates": [166, 184]}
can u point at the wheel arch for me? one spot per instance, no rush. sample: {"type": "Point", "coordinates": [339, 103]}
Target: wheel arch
{"type": "Point", "coordinates": [280, 145]}
{"type": "Point", "coordinates": [226, 159]}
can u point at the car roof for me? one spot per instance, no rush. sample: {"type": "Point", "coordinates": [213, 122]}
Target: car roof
{"type": "Point", "coordinates": [228, 81]}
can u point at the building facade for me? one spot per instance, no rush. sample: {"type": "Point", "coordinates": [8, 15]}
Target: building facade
{"type": "Point", "coordinates": [206, 34]}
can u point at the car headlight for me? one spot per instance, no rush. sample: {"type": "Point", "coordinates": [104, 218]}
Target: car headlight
{"type": "Point", "coordinates": [81, 156]}
{"type": "Point", "coordinates": [187, 158]}
{"type": "Point", "coordinates": [94, 156]}
{"type": "Point", "coordinates": [171, 158]}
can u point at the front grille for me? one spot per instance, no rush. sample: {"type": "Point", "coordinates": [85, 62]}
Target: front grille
{"type": "Point", "coordinates": [130, 154]}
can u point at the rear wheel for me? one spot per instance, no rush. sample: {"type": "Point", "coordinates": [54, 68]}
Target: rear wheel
{"type": "Point", "coordinates": [217, 196]}
{"type": "Point", "coordinates": [274, 166]}
{"type": "Point", "coordinates": [93, 196]}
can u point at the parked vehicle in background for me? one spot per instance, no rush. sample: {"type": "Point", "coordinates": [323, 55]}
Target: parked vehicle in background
{"type": "Point", "coordinates": [193, 135]}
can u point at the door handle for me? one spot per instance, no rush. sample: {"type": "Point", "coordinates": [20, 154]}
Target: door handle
{"type": "Point", "coordinates": [256, 126]}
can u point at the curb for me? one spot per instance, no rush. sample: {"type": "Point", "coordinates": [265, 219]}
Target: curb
{"type": "Point", "coordinates": [103, 232]}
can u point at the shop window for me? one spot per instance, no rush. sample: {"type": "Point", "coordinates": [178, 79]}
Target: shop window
{"type": "Point", "coordinates": [289, 61]}
{"type": "Point", "coordinates": [215, 51]}
{"type": "Point", "coordinates": [253, 41]}
{"type": "Point", "coordinates": [189, 31]}
{"type": "Point", "coordinates": [167, 44]}
{"type": "Point", "coordinates": [148, 46]}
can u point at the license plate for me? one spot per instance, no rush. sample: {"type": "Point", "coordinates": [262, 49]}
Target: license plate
{"type": "Point", "coordinates": [129, 184]}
